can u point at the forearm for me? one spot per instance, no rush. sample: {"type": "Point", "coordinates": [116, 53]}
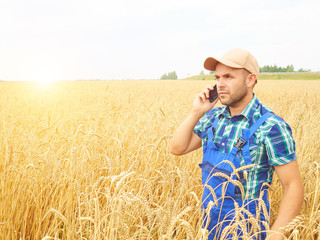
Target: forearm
{"type": "Point", "coordinates": [290, 207]}
{"type": "Point", "coordinates": [184, 140]}
{"type": "Point", "coordinates": [182, 137]}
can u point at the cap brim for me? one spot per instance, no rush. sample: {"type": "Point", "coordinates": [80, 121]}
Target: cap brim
{"type": "Point", "coordinates": [211, 63]}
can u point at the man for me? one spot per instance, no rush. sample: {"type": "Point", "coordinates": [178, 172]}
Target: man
{"type": "Point", "coordinates": [244, 135]}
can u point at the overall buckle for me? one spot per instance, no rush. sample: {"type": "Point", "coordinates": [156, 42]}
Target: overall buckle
{"type": "Point", "coordinates": [213, 132]}
{"type": "Point", "coordinates": [240, 143]}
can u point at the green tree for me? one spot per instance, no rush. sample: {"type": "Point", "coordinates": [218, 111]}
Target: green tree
{"type": "Point", "coordinates": [275, 68]}
{"type": "Point", "coordinates": [164, 76]}
{"type": "Point", "coordinates": [304, 70]}
{"type": "Point", "coordinates": [170, 75]}
{"type": "Point", "coordinates": [290, 68]}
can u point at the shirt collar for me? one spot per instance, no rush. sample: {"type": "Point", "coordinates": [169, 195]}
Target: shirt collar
{"type": "Point", "coordinates": [247, 112]}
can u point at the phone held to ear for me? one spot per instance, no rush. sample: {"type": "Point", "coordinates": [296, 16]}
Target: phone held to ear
{"type": "Point", "coordinates": [213, 94]}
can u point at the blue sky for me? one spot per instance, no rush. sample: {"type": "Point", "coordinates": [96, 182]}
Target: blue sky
{"type": "Point", "coordinates": [67, 39]}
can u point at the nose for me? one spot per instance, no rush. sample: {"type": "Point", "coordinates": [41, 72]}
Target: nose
{"type": "Point", "coordinates": [221, 84]}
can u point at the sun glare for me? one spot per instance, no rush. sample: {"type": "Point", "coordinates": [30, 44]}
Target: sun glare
{"type": "Point", "coordinates": [43, 73]}
{"type": "Point", "coordinates": [43, 82]}
{"type": "Point", "coordinates": [44, 79]}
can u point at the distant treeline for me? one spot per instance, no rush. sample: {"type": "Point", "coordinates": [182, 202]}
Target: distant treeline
{"type": "Point", "coordinates": [170, 75]}
{"type": "Point", "coordinates": [269, 76]}
{"type": "Point", "coordinates": [275, 68]}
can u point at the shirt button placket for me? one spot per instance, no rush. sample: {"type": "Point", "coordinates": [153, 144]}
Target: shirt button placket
{"type": "Point", "coordinates": [224, 143]}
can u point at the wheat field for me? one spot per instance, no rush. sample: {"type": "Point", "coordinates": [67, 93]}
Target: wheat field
{"type": "Point", "coordinates": [90, 159]}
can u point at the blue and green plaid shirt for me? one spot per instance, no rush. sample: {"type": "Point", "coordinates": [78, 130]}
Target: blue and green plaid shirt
{"type": "Point", "coordinates": [271, 145]}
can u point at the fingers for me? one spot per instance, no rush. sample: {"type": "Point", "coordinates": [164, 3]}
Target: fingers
{"type": "Point", "coordinates": [201, 103]}
{"type": "Point", "coordinates": [204, 94]}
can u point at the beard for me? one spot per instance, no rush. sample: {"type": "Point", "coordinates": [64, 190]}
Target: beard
{"type": "Point", "coordinates": [235, 98]}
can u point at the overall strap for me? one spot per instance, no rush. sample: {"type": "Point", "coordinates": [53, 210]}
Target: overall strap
{"type": "Point", "coordinates": [258, 123]}
{"type": "Point", "coordinates": [245, 149]}
{"type": "Point", "coordinates": [246, 135]}
{"type": "Point", "coordinates": [212, 129]}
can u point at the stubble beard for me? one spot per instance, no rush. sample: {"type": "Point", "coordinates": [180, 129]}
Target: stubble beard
{"type": "Point", "coordinates": [234, 99]}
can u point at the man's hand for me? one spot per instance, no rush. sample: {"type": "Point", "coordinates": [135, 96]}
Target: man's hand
{"type": "Point", "coordinates": [201, 103]}
{"type": "Point", "coordinates": [185, 140]}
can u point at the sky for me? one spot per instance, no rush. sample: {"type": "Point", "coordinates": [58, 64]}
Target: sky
{"type": "Point", "coordinates": [44, 40]}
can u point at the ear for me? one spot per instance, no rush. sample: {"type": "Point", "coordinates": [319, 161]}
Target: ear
{"type": "Point", "coordinates": [251, 80]}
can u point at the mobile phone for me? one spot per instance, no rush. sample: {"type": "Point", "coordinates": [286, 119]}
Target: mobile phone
{"type": "Point", "coordinates": [213, 94]}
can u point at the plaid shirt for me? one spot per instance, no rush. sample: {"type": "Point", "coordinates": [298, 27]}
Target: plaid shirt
{"type": "Point", "coordinates": [271, 145]}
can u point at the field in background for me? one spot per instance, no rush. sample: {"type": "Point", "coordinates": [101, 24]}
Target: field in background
{"type": "Point", "coordinates": [90, 160]}
{"type": "Point", "coordinates": [270, 76]}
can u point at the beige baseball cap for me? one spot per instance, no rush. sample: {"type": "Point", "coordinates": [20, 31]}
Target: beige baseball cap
{"type": "Point", "coordinates": [235, 58]}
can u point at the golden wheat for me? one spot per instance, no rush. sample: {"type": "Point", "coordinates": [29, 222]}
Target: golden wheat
{"type": "Point", "coordinates": [90, 160]}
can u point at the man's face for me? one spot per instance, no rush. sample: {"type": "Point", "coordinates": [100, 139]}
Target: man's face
{"type": "Point", "coordinates": [231, 85]}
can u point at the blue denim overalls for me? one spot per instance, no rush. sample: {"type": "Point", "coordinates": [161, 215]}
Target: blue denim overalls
{"type": "Point", "coordinates": [222, 187]}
